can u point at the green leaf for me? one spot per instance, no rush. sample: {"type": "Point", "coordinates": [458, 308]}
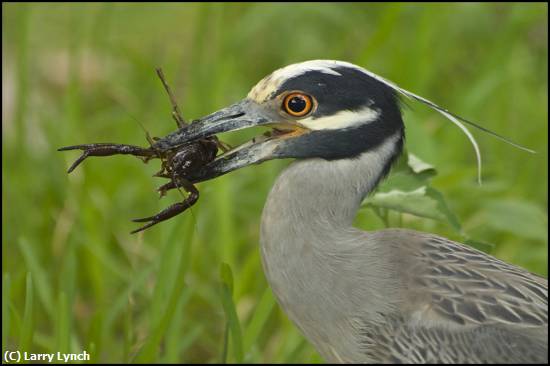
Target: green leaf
{"type": "Point", "coordinates": [402, 163]}
{"type": "Point", "coordinates": [408, 173]}
{"type": "Point", "coordinates": [407, 190]}
{"type": "Point", "coordinates": [423, 202]}
{"type": "Point", "coordinates": [520, 218]}
{"type": "Point", "coordinates": [419, 166]}
{"type": "Point", "coordinates": [402, 181]}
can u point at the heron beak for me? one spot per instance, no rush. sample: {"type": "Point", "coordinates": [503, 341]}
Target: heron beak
{"type": "Point", "coordinates": [238, 116]}
{"type": "Point", "coordinates": [235, 117]}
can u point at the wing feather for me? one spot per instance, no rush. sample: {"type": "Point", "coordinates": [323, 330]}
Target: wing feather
{"type": "Point", "coordinates": [459, 305]}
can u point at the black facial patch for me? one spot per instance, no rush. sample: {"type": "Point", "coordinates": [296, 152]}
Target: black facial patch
{"type": "Point", "coordinates": [352, 91]}
{"type": "Point", "coordinates": [345, 143]}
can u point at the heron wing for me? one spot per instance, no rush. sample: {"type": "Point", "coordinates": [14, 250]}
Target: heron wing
{"type": "Point", "coordinates": [398, 340]}
{"type": "Point", "coordinates": [460, 305]}
{"type": "Point", "coordinates": [468, 287]}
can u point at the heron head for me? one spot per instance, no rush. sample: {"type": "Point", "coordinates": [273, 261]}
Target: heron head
{"type": "Point", "coordinates": [314, 109]}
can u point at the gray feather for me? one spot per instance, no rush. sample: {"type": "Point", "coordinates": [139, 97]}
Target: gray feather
{"type": "Point", "coordinates": [392, 295]}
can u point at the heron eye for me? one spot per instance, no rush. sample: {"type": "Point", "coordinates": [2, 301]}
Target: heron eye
{"type": "Point", "coordinates": [297, 104]}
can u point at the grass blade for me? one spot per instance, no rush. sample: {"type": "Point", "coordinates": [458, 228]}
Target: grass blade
{"type": "Point", "coordinates": [259, 319]}
{"type": "Point", "coordinates": [27, 328]}
{"type": "Point", "coordinates": [232, 319]}
{"type": "Point", "coordinates": [225, 343]}
{"type": "Point", "coordinates": [5, 310]}
{"type": "Point", "coordinates": [43, 282]}
{"type": "Point", "coordinates": [128, 333]}
{"type": "Point", "coordinates": [62, 324]}
{"type": "Point", "coordinates": [174, 336]}
{"type": "Point", "coordinates": [149, 352]}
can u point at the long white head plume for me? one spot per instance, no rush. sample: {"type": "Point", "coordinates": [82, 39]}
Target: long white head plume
{"type": "Point", "coordinates": [457, 120]}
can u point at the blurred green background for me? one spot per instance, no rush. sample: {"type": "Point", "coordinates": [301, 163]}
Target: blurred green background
{"type": "Point", "coordinates": [74, 278]}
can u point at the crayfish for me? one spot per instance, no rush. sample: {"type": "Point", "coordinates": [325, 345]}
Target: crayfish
{"type": "Point", "coordinates": [178, 162]}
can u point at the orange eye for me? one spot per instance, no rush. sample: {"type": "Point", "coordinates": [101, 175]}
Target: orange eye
{"type": "Point", "coordinates": [297, 104]}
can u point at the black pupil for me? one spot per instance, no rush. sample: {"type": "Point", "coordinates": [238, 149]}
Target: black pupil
{"type": "Point", "coordinates": [297, 104]}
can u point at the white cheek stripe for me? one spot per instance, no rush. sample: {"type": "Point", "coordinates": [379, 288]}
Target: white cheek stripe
{"type": "Point", "coordinates": [341, 120]}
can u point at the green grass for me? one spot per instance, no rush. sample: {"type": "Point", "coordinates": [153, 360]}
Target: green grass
{"type": "Point", "coordinates": [74, 278]}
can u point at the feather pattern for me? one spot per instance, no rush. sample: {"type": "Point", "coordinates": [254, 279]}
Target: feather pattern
{"type": "Point", "coordinates": [459, 305]}
{"type": "Point", "coordinates": [393, 295]}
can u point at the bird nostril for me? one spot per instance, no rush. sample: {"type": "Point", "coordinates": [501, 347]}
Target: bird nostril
{"type": "Point", "coordinates": [232, 116]}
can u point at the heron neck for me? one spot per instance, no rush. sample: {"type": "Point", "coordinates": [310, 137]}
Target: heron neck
{"type": "Point", "coordinates": [324, 195]}
{"type": "Point", "coordinates": [306, 222]}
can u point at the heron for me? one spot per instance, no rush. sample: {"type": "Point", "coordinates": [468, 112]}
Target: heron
{"type": "Point", "coordinates": [388, 296]}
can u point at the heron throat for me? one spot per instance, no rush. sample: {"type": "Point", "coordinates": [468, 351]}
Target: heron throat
{"type": "Point", "coordinates": [319, 195]}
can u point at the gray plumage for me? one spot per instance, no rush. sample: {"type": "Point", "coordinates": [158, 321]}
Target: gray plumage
{"type": "Point", "coordinates": [392, 295]}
